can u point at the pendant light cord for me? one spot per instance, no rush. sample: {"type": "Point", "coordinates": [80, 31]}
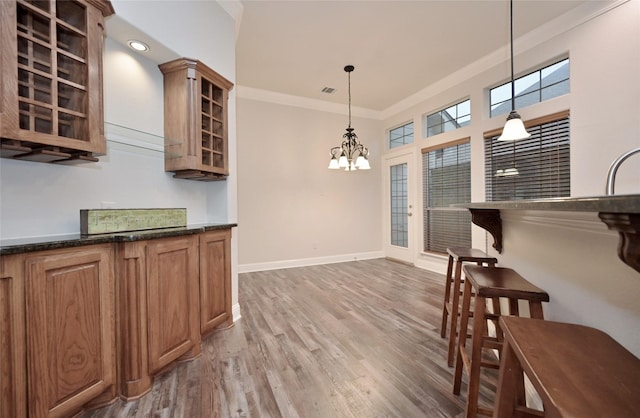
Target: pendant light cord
{"type": "Point", "coordinates": [513, 87]}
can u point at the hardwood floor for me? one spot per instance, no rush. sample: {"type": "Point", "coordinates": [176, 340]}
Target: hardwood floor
{"type": "Point", "coordinates": [357, 339]}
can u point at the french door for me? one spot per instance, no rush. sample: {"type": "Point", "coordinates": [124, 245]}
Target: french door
{"type": "Point", "coordinates": [399, 212]}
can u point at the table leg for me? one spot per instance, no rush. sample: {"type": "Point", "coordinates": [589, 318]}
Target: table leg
{"type": "Point", "coordinates": [510, 384]}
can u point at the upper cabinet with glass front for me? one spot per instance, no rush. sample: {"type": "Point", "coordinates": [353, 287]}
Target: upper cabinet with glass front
{"type": "Point", "coordinates": [51, 101]}
{"type": "Point", "coordinates": [195, 120]}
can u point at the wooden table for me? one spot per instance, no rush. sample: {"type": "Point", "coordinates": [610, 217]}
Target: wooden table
{"type": "Point", "coordinates": [578, 371]}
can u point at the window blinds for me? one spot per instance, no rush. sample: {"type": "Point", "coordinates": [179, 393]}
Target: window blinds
{"type": "Point", "coordinates": [533, 168]}
{"type": "Point", "coordinates": [446, 173]}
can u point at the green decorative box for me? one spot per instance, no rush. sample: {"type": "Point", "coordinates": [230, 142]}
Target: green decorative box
{"type": "Point", "coordinates": [106, 221]}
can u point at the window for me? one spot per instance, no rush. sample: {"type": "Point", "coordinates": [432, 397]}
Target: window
{"type": "Point", "coordinates": [448, 119]}
{"type": "Point", "coordinates": [536, 87]}
{"type": "Point", "coordinates": [533, 168]}
{"type": "Point", "coordinates": [446, 173]}
{"type": "Point", "coordinates": [399, 205]}
{"type": "Point", "coordinates": [401, 135]}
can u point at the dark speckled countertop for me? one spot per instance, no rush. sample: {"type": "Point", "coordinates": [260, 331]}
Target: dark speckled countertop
{"type": "Point", "coordinates": [25, 245]}
{"type": "Point", "coordinates": [629, 203]}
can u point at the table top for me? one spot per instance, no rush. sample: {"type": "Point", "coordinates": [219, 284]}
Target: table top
{"type": "Point", "coordinates": [629, 203]}
{"type": "Point", "coordinates": [30, 244]}
{"type": "Point", "coordinates": [578, 371]}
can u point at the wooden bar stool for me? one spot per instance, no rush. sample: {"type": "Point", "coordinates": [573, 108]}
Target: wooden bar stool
{"type": "Point", "coordinates": [578, 371]}
{"type": "Point", "coordinates": [451, 305]}
{"type": "Point", "coordinates": [488, 283]}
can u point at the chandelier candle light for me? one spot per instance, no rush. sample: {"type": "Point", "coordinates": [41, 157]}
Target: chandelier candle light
{"type": "Point", "coordinates": [344, 155]}
{"type": "Point", "coordinates": [514, 128]}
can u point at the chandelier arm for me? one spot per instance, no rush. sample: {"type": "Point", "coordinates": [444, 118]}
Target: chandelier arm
{"type": "Point", "coordinates": [335, 151]}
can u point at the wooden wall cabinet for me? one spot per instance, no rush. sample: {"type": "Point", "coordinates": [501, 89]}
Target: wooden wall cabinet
{"type": "Point", "coordinates": [57, 319]}
{"type": "Point", "coordinates": [215, 280]}
{"type": "Point", "coordinates": [195, 120]}
{"type": "Point", "coordinates": [51, 100]}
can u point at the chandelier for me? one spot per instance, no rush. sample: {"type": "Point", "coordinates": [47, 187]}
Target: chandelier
{"type": "Point", "coordinates": [514, 128]}
{"type": "Point", "coordinates": [351, 154]}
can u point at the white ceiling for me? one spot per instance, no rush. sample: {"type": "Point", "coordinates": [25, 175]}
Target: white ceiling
{"type": "Point", "coordinates": [397, 47]}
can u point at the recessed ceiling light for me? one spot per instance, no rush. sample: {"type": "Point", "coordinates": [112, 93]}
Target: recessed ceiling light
{"type": "Point", "coordinates": [138, 45]}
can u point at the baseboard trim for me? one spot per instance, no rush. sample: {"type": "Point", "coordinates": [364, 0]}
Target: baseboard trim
{"type": "Point", "coordinates": [303, 262]}
{"type": "Point", "coordinates": [235, 312]}
{"type": "Point", "coordinates": [432, 262]}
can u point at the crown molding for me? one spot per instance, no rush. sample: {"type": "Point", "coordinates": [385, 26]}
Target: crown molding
{"type": "Point", "coordinates": [304, 102]}
{"type": "Point", "coordinates": [235, 9]}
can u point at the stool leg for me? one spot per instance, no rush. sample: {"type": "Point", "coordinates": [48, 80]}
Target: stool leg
{"type": "Point", "coordinates": [535, 310]}
{"type": "Point", "coordinates": [464, 322]}
{"type": "Point", "coordinates": [497, 311]}
{"type": "Point", "coordinates": [447, 296]}
{"type": "Point", "coordinates": [479, 309]}
{"type": "Point", "coordinates": [514, 309]}
{"type": "Point", "coordinates": [455, 306]}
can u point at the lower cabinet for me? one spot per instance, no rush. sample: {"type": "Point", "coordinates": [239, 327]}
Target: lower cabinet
{"type": "Point", "coordinates": [158, 308]}
{"type": "Point", "coordinates": [58, 321]}
{"type": "Point", "coordinates": [172, 291]}
{"type": "Point", "coordinates": [80, 326]}
{"type": "Point", "coordinates": [215, 280]}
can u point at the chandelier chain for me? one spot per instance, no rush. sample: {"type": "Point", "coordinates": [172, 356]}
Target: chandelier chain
{"type": "Point", "coordinates": [349, 75]}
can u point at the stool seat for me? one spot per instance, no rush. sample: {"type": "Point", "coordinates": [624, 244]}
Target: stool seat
{"type": "Point", "coordinates": [470, 255]}
{"type": "Point", "coordinates": [503, 282]}
{"type": "Point", "coordinates": [578, 371]}
{"type": "Point", "coordinates": [489, 283]}
{"type": "Point", "coordinates": [450, 306]}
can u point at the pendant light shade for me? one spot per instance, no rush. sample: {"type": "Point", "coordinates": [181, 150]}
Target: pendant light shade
{"type": "Point", "coordinates": [351, 154]}
{"type": "Point", "coordinates": [514, 127]}
{"type": "Point", "coordinates": [333, 164]}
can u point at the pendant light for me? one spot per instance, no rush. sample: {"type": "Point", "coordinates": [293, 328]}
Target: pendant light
{"type": "Point", "coordinates": [514, 128]}
{"type": "Point", "coordinates": [350, 149]}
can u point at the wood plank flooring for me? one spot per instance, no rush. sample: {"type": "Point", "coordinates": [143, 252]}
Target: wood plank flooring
{"type": "Point", "coordinates": [356, 339]}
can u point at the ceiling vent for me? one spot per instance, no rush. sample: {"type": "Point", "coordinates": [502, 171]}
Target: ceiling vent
{"type": "Point", "coordinates": [328, 90]}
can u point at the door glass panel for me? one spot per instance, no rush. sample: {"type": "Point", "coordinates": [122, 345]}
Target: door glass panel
{"type": "Point", "coordinates": [399, 206]}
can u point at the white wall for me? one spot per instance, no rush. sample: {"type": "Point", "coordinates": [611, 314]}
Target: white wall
{"type": "Point", "coordinates": [44, 199]}
{"type": "Point", "coordinates": [292, 209]}
{"type": "Point", "coordinates": [572, 256]}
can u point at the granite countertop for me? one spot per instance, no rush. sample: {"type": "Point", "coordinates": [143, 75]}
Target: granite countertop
{"type": "Point", "coordinates": [629, 203]}
{"type": "Point", "coordinates": [30, 244]}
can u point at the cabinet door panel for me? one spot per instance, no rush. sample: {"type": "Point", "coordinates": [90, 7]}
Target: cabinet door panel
{"type": "Point", "coordinates": [70, 329]}
{"type": "Point", "coordinates": [215, 279]}
{"type": "Point", "coordinates": [13, 380]}
{"type": "Point", "coordinates": [172, 300]}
